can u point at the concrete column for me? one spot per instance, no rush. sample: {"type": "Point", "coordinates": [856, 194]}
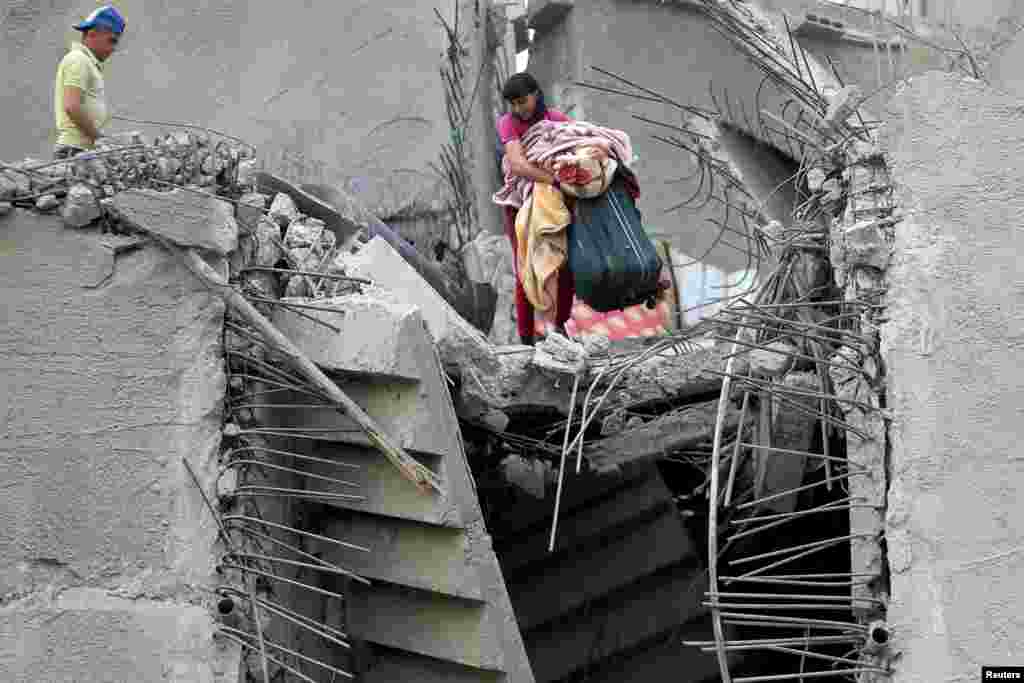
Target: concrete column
{"type": "Point", "coordinates": [481, 132]}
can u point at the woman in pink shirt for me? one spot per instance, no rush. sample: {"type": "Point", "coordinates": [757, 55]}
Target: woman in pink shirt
{"type": "Point", "coordinates": [526, 104]}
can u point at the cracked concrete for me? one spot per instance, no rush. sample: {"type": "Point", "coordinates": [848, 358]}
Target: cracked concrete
{"type": "Point", "coordinates": [953, 355]}
{"type": "Point", "coordinates": [112, 374]}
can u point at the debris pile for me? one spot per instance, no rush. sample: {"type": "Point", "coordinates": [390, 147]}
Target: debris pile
{"type": "Point", "coordinates": [82, 187]}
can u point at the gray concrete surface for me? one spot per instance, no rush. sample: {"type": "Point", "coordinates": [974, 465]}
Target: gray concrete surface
{"type": "Point", "coordinates": [328, 92]}
{"type": "Point", "coordinates": [953, 354]}
{"type": "Point", "coordinates": [112, 373]}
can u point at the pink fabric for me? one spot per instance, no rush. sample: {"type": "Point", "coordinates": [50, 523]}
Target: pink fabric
{"type": "Point", "coordinates": [546, 140]}
{"type": "Point", "coordinates": [511, 127]}
{"type": "Point", "coordinates": [632, 321]}
{"type": "Point", "coordinates": [635, 321]}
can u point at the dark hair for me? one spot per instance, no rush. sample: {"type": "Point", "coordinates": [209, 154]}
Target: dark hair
{"type": "Point", "coordinates": [520, 85]}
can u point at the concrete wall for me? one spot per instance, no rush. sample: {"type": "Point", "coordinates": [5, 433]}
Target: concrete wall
{"type": "Point", "coordinates": [953, 353]}
{"type": "Point", "coordinates": [329, 92]}
{"type": "Point", "coordinates": [111, 374]}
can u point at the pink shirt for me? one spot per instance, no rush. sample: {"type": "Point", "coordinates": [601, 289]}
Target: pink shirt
{"type": "Point", "coordinates": [511, 127]}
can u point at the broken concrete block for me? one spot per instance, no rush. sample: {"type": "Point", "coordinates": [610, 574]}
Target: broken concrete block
{"type": "Point", "coordinates": [833, 190]}
{"type": "Point", "coordinates": [242, 256]}
{"type": "Point", "coordinates": [842, 105]}
{"type": "Point", "coordinates": [13, 185]}
{"type": "Point", "coordinates": [375, 335]}
{"type": "Point", "coordinates": [774, 361]}
{"type": "Point", "coordinates": [298, 287]}
{"type": "Point", "coordinates": [80, 207]}
{"type": "Point", "coordinates": [303, 232]}
{"type": "Point", "coordinates": [249, 210]}
{"type": "Point", "coordinates": [185, 218]}
{"type": "Point", "coordinates": [268, 242]}
{"type": "Point", "coordinates": [865, 244]}
{"type": "Point", "coordinates": [684, 428]}
{"type": "Point", "coordinates": [862, 150]}
{"type": "Point", "coordinates": [283, 210]}
{"type": "Point", "coordinates": [557, 353]}
{"type": "Point", "coordinates": [815, 179]}
{"type": "Point", "coordinates": [457, 340]}
{"type": "Point", "coordinates": [47, 202]}
{"type": "Point", "coordinates": [262, 284]}
{"type": "Point", "coordinates": [5, 208]}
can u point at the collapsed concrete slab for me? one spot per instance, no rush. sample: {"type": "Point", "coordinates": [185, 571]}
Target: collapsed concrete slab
{"type": "Point", "coordinates": [438, 591]}
{"type": "Point", "coordinates": [377, 335]}
{"type": "Point", "coordinates": [188, 219]}
{"type": "Point", "coordinates": [678, 430]}
{"type": "Point", "coordinates": [457, 340]}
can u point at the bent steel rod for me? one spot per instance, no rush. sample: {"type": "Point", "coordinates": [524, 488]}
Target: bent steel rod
{"type": "Point", "coordinates": [294, 563]}
{"type": "Point", "coordinates": [300, 532]}
{"type": "Point", "coordinates": [281, 468]}
{"type": "Point", "coordinates": [297, 456]}
{"type": "Point", "coordinates": [225, 634]}
{"type": "Point", "coordinates": [297, 618]}
{"type": "Point", "coordinates": [415, 471]}
{"type": "Point", "coordinates": [276, 577]}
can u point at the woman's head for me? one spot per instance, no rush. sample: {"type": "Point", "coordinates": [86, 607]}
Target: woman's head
{"type": "Point", "coordinates": [524, 96]}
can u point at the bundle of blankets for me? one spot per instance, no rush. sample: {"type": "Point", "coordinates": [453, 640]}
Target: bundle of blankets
{"type": "Point", "coordinates": [585, 158]}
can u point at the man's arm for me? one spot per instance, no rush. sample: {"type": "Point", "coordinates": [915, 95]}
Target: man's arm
{"type": "Point", "coordinates": [73, 108]}
{"type": "Point", "coordinates": [523, 168]}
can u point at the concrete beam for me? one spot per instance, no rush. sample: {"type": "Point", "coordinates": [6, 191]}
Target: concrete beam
{"type": "Point", "coordinates": [680, 429]}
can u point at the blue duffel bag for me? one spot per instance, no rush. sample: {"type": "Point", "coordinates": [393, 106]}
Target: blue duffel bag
{"type": "Point", "coordinates": [613, 261]}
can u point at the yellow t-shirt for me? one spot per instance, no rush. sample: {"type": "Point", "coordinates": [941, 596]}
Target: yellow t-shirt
{"type": "Point", "coordinates": [80, 69]}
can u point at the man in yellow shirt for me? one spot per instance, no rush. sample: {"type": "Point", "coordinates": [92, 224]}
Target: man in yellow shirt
{"type": "Point", "coordinates": [79, 98]}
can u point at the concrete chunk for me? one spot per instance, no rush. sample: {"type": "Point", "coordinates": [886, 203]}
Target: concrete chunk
{"type": "Point", "coordinates": [457, 340]}
{"type": "Point", "coordinates": [283, 210]}
{"type": "Point", "coordinates": [774, 361]}
{"type": "Point", "coordinates": [250, 210]}
{"type": "Point", "coordinates": [80, 207]}
{"type": "Point", "coordinates": [377, 337]}
{"type": "Point", "coordinates": [186, 218]}
{"type": "Point", "coordinates": [866, 245]}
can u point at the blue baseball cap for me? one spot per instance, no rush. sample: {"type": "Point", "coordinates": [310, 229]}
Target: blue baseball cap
{"type": "Point", "coordinates": [103, 17]}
